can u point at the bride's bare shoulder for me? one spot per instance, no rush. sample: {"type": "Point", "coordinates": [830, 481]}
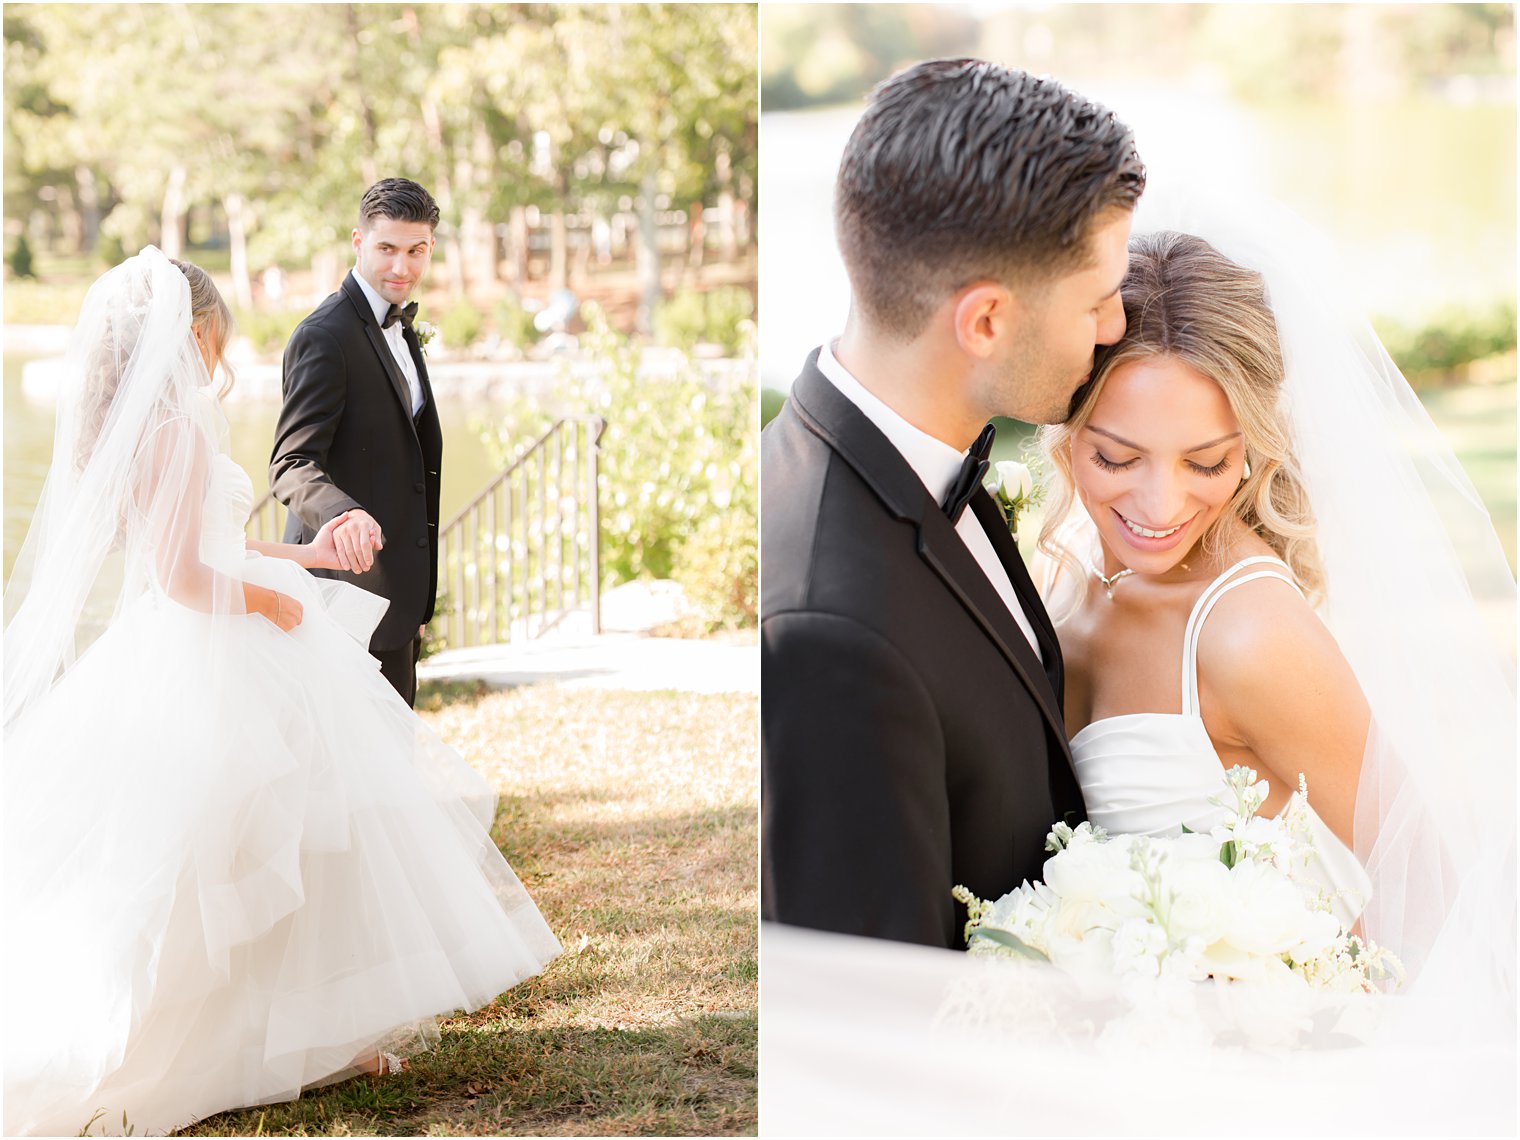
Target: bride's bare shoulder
{"type": "Point", "coordinates": [1264, 651]}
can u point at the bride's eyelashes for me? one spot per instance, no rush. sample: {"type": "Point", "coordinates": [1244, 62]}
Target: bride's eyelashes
{"type": "Point", "coordinates": [1108, 464]}
{"type": "Point", "coordinates": [1211, 472]}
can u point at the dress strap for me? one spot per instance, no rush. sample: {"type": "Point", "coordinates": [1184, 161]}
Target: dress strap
{"type": "Point", "coordinates": [1217, 589]}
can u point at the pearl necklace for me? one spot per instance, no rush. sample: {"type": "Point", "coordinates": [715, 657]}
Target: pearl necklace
{"type": "Point", "coordinates": [1109, 582]}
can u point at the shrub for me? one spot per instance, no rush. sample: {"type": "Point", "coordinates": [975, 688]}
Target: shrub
{"type": "Point", "coordinates": [1449, 340]}
{"type": "Point", "coordinates": [719, 568]}
{"type": "Point", "coordinates": [460, 325]}
{"type": "Point", "coordinates": [515, 324]}
{"type": "Point", "coordinates": [771, 400]}
{"type": "Point", "coordinates": [678, 452]}
{"type": "Point", "coordinates": [110, 249]}
{"type": "Point", "coordinates": [268, 332]}
{"type": "Point", "coordinates": [20, 259]}
{"type": "Point", "coordinates": [719, 317]}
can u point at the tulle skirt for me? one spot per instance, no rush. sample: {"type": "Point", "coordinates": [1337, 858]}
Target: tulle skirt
{"type": "Point", "coordinates": [235, 863]}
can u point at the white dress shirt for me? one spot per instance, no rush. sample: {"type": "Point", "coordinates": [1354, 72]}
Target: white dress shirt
{"type": "Point", "coordinates": [395, 338]}
{"type": "Point", "coordinates": [937, 464]}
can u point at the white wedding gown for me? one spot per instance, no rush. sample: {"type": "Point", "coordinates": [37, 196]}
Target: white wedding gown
{"type": "Point", "coordinates": [1150, 773]}
{"type": "Point", "coordinates": [235, 864]}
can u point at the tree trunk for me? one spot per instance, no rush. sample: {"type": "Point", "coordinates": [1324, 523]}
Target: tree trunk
{"type": "Point", "coordinates": [367, 167]}
{"type": "Point", "coordinates": [559, 251]}
{"type": "Point", "coordinates": [729, 236]}
{"type": "Point", "coordinates": [518, 256]}
{"type": "Point", "coordinates": [171, 221]}
{"type": "Point", "coordinates": [647, 253]}
{"type": "Point", "coordinates": [237, 237]}
{"type": "Point", "coordinates": [70, 223]}
{"type": "Point", "coordinates": [696, 245]}
{"type": "Point", "coordinates": [89, 208]}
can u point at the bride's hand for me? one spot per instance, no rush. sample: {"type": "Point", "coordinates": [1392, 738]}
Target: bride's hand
{"type": "Point", "coordinates": [323, 551]}
{"type": "Point", "coordinates": [281, 609]}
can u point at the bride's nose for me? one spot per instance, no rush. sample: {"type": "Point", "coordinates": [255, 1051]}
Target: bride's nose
{"type": "Point", "coordinates": [1162, 497]}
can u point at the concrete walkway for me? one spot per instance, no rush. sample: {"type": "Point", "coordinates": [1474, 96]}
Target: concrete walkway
{"type": "Point", "coordinates": [609, 661]}
{"type": "Point", "coordinates": [624, 656]}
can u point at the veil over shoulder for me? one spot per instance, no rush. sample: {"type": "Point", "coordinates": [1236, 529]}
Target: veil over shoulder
{"type": "Point", "coordinates": [1421, 600]}
{"type": "Point", "coordinates": [236, 863]}
{"type": "Point", "coordinates": [120, 511]}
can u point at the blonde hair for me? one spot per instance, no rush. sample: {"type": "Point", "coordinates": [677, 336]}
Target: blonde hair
{"type": "Point", "coordinates": [209, 312]}
{"type": "Point", "coordinates": [1185, 300]}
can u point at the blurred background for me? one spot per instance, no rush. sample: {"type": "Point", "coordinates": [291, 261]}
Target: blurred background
{"type": "Point", "coordinates": [595, 166]}
{"type": "Point", "coordinates": [1391, 127]}
{"type": "Point", "coordinates": [593, 653]}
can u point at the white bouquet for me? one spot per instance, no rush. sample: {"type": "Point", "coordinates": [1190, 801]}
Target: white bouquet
{"type": "Point", "coordinates": [1231, 904]}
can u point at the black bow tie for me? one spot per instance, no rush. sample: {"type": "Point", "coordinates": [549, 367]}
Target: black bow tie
{"type": "Point", "coordinates": [396, 313]}
{"type": "Point", "coordinates": [969, 478]}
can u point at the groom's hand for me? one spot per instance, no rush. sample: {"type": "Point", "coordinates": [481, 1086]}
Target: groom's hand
{"type": "Point", "coordinates": [355, 541]}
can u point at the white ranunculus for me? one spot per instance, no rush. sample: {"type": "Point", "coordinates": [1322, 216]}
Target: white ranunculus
{"type": "Point", "coordinates": [1013, 479]}
{"type": "Point", "coordinates": [1268, 915]}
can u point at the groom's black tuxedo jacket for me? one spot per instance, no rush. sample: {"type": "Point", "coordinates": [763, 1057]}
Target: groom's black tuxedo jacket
{"type": "Point", "coordinates": [346, 438]}
{"type": "Point", "coordinates": [912, 741]}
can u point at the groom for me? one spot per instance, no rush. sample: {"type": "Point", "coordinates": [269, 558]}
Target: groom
{"type": "Point", "coordinates": [912, 729]}
{"type": "Point", "coordinates": [358, 429]}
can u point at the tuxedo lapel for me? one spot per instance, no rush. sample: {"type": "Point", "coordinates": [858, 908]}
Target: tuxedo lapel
{"type": "Point", "coordinates": [828, 413]}
{"type": "Point", "coordinates": [948, 555]}
{"type": "Point", "coordinates": [414, 346]}
{"type": "Point", "coordinates": [990, 515]}
{"type": "Point", "coordinates": [377, 341]}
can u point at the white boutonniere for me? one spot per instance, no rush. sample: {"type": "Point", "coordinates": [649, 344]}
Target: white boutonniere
{"type": "Point", "coordinates": [423, 331]}
{"type": "Point", "coordinates": [1014, 487]}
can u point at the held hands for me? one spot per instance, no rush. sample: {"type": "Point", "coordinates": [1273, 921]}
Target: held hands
{"type": "Point", "coordinates": [350, 541]}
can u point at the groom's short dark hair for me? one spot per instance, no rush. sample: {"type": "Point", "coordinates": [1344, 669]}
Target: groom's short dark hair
{"type": "Point", "coordinates": [960, 171]}
{"type": "Point", "coordinates": [399, 199]}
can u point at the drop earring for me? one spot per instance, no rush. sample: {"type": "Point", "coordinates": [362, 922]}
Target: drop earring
{"type": "Point", "coordinates": [1247, 473]}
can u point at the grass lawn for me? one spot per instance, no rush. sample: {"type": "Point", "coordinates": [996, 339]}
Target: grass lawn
{"type": "Point", "coordinates": [632, 819]}
{"type": "Point", "coordinates": [1479, 422]}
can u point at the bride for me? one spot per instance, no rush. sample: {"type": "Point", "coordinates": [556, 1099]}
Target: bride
{"type": "Point", "coordinates": [236, 864]}
{"type": "Point", "coordinates": [1260, 552]}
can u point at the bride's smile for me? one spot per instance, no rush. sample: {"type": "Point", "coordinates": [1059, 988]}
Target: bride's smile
{"type": "Point", "coordinates": [1156, 486]}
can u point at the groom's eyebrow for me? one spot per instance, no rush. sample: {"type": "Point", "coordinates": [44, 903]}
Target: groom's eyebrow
{"type": "Point", "coordinates": [1119, 439]}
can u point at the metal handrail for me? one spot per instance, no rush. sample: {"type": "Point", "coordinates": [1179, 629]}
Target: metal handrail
{"type": "Point", "coordinates": [503, 570]}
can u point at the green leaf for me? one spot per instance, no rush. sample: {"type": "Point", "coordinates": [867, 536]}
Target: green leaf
{"type": "Point", "coordinates": [1229, 854]}
{"type": "Point", "coordinates": [1011, 942]}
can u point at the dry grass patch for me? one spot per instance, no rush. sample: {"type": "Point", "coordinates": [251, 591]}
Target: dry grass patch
{"type": "Point", "coordinates": [632, 819]}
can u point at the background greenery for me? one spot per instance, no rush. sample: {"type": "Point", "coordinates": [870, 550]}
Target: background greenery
{"type": "Point", "coordinates": [562, 141]}
{"type": "Point", "coordinates": [680, 465]}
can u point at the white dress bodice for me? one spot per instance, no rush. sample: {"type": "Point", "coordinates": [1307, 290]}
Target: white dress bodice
{"type": "Point", "coordinates": [1150, 773]}
{"type": "Point", "coordinates": [228, 503]}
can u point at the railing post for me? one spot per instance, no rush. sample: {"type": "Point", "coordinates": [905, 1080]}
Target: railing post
{"type": "Point", "coordinates": [594, 499]}
{"type": "Point", "coordinates": [470, 544]}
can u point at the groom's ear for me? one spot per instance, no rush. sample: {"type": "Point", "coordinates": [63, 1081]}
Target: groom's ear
{"type": "Point", "coordinates": [983, 315]}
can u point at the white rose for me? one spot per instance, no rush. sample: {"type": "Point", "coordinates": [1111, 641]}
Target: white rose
{"type": "Point", "coordinates": [1013, 479]}
{"type": "Point", "coordinates": [1199, 893]}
